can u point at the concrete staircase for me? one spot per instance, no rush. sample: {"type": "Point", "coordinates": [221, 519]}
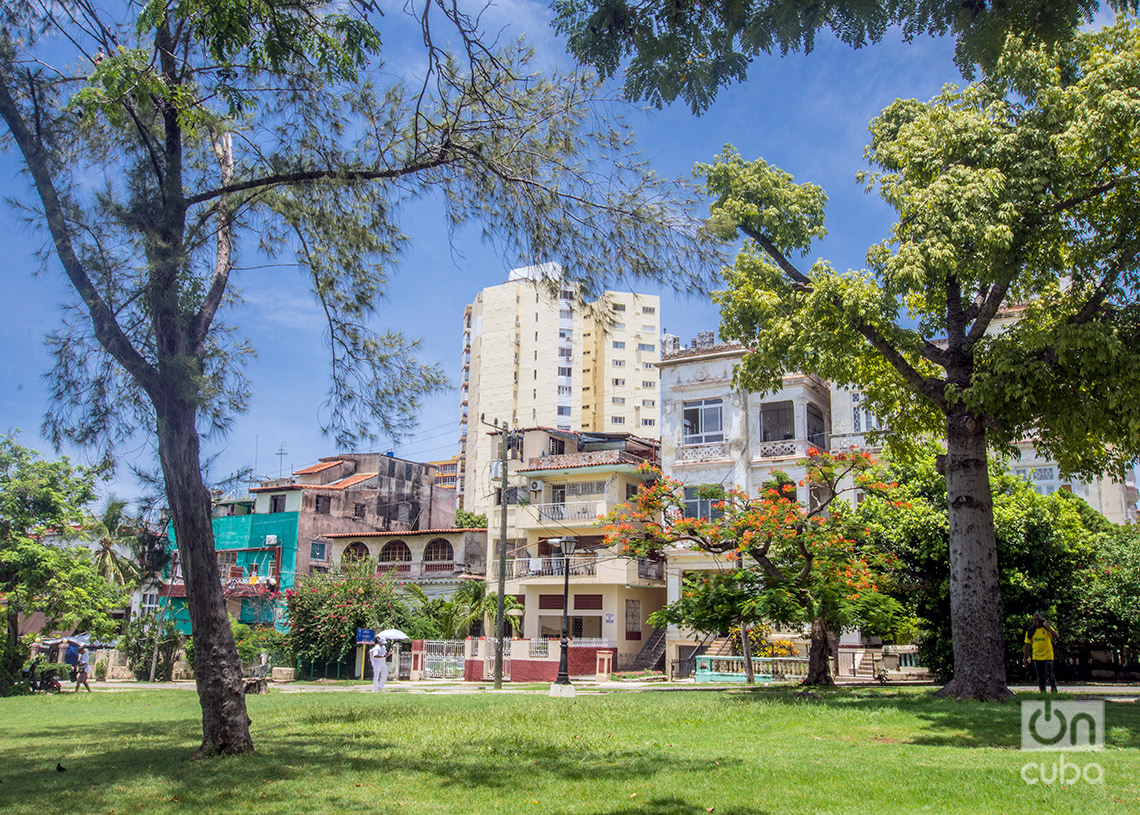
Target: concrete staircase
{"type": "Point", "coordinates": [651, 657]}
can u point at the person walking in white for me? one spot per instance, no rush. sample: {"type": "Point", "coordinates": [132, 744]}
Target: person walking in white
{"type": "Point", "coordinates": [379, 665]}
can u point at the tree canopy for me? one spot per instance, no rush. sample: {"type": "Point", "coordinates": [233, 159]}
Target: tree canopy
{"type": "Point", "coordinates": [38, 498]}
{"type": "Point", "coordinates": [168, 145]}
{"type": "Point", "coordinates": [1001, 306]}
{"type": "Point", "coordinates": [690, 50]}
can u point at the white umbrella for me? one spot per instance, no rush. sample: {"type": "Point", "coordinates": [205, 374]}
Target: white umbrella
{"type": "Point", "coordinates": [392, 634]}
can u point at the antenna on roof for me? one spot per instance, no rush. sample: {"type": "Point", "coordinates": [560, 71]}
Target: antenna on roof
{"type": "Point", "coordinates": [280, 459]}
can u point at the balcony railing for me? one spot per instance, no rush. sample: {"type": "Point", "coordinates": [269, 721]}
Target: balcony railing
{"type": "Point", "coordinates": [413, 569]}
{"type": "Point", "coordinates": [580, 566]}
{"type": "Point", "coordinates": [570, 511]}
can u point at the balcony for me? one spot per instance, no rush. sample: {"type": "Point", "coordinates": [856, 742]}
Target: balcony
{"type": "Point", "coordinates": [587, 459]}
{"type": "Point", "coordinates": [602, 567]}
{"type": "Point", "coordinates": [573, 513]}
{"type": "Point", "coordinates": [411, 570]}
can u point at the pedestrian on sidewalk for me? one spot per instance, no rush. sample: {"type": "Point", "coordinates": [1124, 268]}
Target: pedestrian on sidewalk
{"type": "Point", "coordinates": [82, 668]}
{"type": "Point", "coordinates": [379, 665]}
{"type": "Point", "coordinates": [1039, 639]}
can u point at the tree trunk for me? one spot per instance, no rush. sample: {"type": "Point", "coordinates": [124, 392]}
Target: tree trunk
{"type": "Point", "coordinates": [819, 655]}
{"type": "Point", "coordinates": [746, 648]}
{"type": "Point", "coordinates": [217, 667]}
{"type": "Point", "coordinates": [975, 592]}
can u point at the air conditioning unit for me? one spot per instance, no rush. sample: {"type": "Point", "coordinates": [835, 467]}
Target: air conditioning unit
{"type": "Point", "coordinates": [271, 540]}
{"type": "Point", "coordinates": [536, 486]}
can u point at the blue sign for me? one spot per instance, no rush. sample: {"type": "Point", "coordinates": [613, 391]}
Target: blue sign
{"type": "Point", "coordinates": [365, 636]}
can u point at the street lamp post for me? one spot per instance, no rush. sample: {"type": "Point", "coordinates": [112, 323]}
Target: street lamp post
{"type": "Point", "coordinates": [562, 686]}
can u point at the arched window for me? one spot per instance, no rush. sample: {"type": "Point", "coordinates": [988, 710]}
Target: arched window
{"type": "Point", "coordinates": [355, 551]}
{"type": "Point", "coordinates": [395, 556]}
{"type": "Point", "coordinates": [438, 556]}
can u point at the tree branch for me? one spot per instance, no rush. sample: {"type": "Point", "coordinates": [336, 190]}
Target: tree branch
{"type": "Point", "coordinates": [106, 328]}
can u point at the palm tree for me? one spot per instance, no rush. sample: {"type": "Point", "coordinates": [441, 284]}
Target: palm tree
{"type": "Point", "coordinates": [473, 605]}
{"type": "Point", "coordinates": [113, 533]}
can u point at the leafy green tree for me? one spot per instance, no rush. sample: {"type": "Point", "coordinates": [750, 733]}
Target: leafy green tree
{"type": "Point", "coordinates": [1106, 612]}
{"type": "Point", "coordinates": [145, 636]}
{"type": "Point", "coordinates": [999, 308]}
{"type": "Point", "coordinates": [325, 610]}
{"type": "Point", "coordinates": [191, 133]}
{"type": "Point", "coordinates": [1046, 549]}
{"type": "Point", "coordinates": [39, 497]}
{"type": "Point", "coordinates": [465, 519]}
{"type": "Point", "coordinates": [806, 565]}
{"type": "Point", "coordinates": [691, 50]}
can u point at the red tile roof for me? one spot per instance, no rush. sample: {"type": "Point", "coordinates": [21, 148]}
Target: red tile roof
{"type": "Point", "coordinates": [405, 533]}
{"type": "Point", "coordinates": [343, 484]}
{"type": "Point", "coordinates": [317, 468]}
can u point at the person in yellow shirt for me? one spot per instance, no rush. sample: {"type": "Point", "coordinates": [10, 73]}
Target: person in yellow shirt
{"type": "Point", "coordinates": [1039, 639]}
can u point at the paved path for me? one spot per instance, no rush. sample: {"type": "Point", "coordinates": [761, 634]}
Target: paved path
{"type": "Point", "coordinates": [1116, 693]}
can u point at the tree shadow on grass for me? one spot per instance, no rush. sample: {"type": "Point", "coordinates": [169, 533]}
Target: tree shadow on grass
{"type": "Point", "coordinates": [677, 806]}
{"type": "Point", "coordinates": [108, 761]}
{"type": "Point", "coordinates": [946, 722]}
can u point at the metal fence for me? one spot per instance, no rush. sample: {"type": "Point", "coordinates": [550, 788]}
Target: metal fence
{"type": "Point", "coordinates": [443, 659]}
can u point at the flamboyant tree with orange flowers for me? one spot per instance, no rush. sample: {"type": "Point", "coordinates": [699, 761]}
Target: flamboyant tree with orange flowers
{"type": "Point", "coordinates": [809, 563]}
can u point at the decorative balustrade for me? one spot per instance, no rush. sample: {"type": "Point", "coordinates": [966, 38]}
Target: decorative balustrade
{"type": "Point", "coordinates": [573, 511]}
{"type": "Point", "coordinates": [702, 452]}
{"type": "Point", "coordinates": [412, 569]}
{"type": "Point", "coordinates": [765, 669]}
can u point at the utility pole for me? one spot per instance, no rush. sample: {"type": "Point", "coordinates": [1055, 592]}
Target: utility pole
{"type": "Point", "coordinates": [500, 608]}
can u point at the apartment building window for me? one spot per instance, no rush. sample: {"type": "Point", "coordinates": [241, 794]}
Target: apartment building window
{"type": "Point", "coordinates": [619, 306]}
{"type": "Point", "coordinates": [149, 602]}
{"type": "Point", "coordinates": [225, 560]}
{"type": "Point", "coordinates": [648, 422]}
{"type": "Point", "coordinates": [617, 420]}
{"type": "Point", "coordinates": [619, 326]}
{"type": "Point", "coordinates": [277, 503]}
{"type": "Point", "coordinates": [619, 363]}
{"type": "Point", "coordinates": [619, 344]}
{"type": "Point", "coordinates": [649, 403]}
{"type": "Point", "coordinates": [563, 390]}
{"type": "Point", "coordinates": [618, 382]}
{"type": "Point", "coordinates": [632, 619]}
{"type": "Point", "coordinates": [323, 504]}
{"type": "Point", "coordinates": [861, 418]}
{"type": "Point", "coordinates": [563, 334]}
{"type": "Point", "coordinates": [777, 421]}
{"type": "Point", "coordinates": [619, 400]}
{"type": "Point", "coordinates": [646, 346]}
{"type": "Point", "coordinates": [566, 294]}
{"type": "Point", "coordinates": [566, 353]}
{"type": "Point", "coordinates": [649, 329]}
{"type": "Point", "coordinates": [816, 429]}
{"type": "Point", "coordinates": [565, 371]}
{"type": "Point", "coordinates": [649, 366]}
{"type": "Point", "coordinates": [648, 309]}
{"type": "Point", "coordinates": [557, 447]}
{"type": "Point", "coordinates": [645, 383]}
{"type": "Point", "coordinates": [631, 491]}
{"type": "Point", "coordinates": [701, 421]}
{"type": "Point", "coordinates": [318, 551]}
{"type": "Point", "coordinates": [699, 501]}
{"type": "Point", "coordinates": [1043, 479]}
{"type": "Point", "coordinates": [566, 314]}
{"type": "Point", "coordinates": [564, 410]}
{"type": "Point", "coordinates": [358, 510]}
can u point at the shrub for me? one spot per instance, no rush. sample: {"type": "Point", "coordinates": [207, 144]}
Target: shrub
{"type": "Point", "coordinates": [101, 671]}
{"type": "Point", "coordinates": [138, 643]}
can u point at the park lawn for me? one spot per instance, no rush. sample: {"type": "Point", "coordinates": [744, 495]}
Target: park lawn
{"type": "Point", "coordinates": [727, 752]}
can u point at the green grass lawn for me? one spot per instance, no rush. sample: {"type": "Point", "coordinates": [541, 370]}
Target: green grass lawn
{"type": "Point", "coordinates": [654, 753]}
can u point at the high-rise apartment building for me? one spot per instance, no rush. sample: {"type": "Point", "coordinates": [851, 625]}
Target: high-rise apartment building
{"type": "Point", "coordinates": [534, 357]}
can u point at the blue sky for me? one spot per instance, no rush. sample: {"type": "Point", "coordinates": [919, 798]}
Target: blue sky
{"type": "Point", "coordinates": [806, 114]}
